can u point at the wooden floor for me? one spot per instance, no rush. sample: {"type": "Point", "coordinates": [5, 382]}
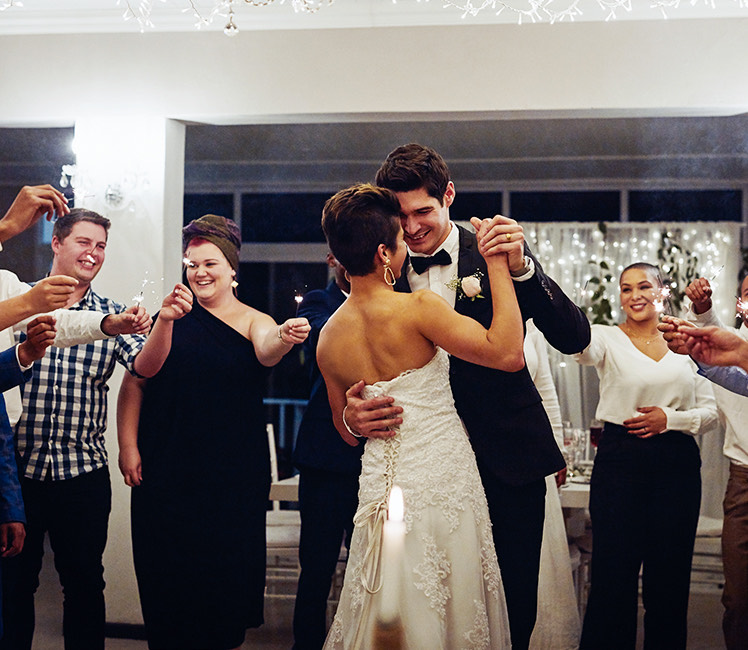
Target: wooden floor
{"type": "Point", "coordinates": [704, 633]}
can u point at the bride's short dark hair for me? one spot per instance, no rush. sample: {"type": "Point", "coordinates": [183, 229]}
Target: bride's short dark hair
{"type": "Point", "coordinates": [356, 220]}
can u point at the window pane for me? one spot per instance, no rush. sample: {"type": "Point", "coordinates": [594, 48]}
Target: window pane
{"type": "Point", "coordinates": [565, 206]}
{"type": "Point", "coordinates": [475, 204]}
{"type": "Point", "coordinates": [197, 205]}
{"type": "Point", "coordinates": [271, 288]}
{"type": "Point", "coordinates": [685, 205]}
{"type": "Point", "coordinates": [283, 217]}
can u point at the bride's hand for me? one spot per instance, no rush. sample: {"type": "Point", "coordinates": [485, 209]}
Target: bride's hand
{"type": "Point", "coordinates": [501, 235]}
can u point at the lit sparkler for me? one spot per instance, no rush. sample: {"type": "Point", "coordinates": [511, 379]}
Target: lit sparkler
{"type": "Point", "coordinates": [716, 273]}
{"type": "Point", "coordinates": [138, 298]}
{"type": "Point", "coordinates": [661, 296]}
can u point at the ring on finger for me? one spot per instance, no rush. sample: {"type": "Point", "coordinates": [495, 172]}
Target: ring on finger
{"type": "Point", "coordinates": [508, 236]}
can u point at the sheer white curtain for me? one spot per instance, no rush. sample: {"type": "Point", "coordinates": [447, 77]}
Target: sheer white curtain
{"type": "Point", "coordinates": [571, 253]}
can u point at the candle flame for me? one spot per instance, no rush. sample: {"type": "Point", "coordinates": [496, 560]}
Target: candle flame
{"type": "Point", "coordinates": [395, 504]}
{"type": "Point", "coordinates": [188, 262]}
{"type": "Point", "coordinates": [298, 298]}
{"type": "Point", "coordinates": [91, 259]}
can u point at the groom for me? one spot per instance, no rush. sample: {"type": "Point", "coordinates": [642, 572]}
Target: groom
{"type": "Point", "coordinates": [502, 411]}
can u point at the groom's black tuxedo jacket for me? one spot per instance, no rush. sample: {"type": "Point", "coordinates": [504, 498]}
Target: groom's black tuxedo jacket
{"type": "Point", "coordinates": [503, 411]}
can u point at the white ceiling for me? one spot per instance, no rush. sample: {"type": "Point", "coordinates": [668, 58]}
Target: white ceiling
{"type": "Point", "coordinates": [96, 16]}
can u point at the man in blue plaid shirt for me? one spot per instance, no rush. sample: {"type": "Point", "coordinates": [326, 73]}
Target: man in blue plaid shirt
{"type": "Point", "coordinates": [61, 454]}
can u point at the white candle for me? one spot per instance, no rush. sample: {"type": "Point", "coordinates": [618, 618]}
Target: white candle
{"type": "Point", "coordinates": [393, 544]}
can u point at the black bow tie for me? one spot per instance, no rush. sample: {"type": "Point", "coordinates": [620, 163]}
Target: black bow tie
{"type": "Point", "coordinates": [420, 264]}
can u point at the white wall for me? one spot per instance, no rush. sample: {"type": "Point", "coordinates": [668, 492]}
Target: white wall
{"type": "Point", "coordinates": [654, 68]}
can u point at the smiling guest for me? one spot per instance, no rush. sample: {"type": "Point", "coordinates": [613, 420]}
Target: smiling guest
{"type": "Point", "coordinates": [646, 484]}
{"type": "Point", "coordinates": [194, 449]}
{"type": "Point", "coordinates": [61, 449]}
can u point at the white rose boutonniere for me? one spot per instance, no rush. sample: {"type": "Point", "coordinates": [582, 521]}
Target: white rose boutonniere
{"type": "Point", "coordinates": [467, 287]}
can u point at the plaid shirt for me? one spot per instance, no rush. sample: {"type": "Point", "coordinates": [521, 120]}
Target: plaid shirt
{"type": "Point", "coordinates": [61, 432]}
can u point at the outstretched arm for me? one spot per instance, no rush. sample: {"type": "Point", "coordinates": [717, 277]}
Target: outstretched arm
{"type": "Point", "coordinates": [29, 206]}
{"type": "Point", "coordinates": [156, 348]}
{"type": "Point", "coordinates": [715, 346]}
{"type": "Point", "coordinates": [273, 341]}
{"type": "Point", "coordinates": [46, 295]}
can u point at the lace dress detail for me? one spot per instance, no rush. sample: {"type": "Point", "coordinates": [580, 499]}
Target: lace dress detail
{"type": "Point", "coordinates": [451, 596]}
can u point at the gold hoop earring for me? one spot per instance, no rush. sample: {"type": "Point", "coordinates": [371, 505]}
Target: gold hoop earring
{"type": "Point", "coordinates": [389, 275]}
{"type": "Point", "coordinates": [347, 277]}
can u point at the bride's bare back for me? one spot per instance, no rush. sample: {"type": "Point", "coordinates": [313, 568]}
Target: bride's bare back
{"type": "Point", "coordinates": [374, 339]}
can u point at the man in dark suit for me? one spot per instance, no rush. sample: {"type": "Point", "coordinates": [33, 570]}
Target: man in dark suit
{"type": "Point", "coordinates": [503, 413]}
{"type": "Point", "coordinates": [328, 477]}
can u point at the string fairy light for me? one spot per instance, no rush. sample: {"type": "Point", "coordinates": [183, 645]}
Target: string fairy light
{"type": "Point", "coordinates": [573, 253]}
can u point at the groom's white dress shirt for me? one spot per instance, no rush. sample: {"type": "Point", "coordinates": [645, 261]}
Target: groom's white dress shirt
{"type": "Point", "coordinates": [436, 277]}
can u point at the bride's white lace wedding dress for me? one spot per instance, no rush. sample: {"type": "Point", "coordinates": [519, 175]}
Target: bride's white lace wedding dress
{"type": "Point", "coordinates": [451, 595]}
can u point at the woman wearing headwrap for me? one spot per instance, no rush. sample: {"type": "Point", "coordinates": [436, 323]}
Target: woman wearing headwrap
{"type": "Point", "coordinates": [194, 449]}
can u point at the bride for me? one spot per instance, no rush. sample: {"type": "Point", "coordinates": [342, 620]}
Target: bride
{"type": "Point", "coordinates": [451, 594]}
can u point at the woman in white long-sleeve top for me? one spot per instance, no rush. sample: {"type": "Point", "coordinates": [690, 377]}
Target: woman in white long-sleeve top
{"type": "Point", "coordinates": [646, 483]}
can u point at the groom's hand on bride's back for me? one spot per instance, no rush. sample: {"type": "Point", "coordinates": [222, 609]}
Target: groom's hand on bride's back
{"type": "Point", "coordinates": [371, 418]}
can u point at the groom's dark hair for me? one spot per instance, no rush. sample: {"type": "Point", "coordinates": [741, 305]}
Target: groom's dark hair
{"type": "Point", "coordinates": [413, 166]}
{"type": "Point", "coordinates": [356, 220]}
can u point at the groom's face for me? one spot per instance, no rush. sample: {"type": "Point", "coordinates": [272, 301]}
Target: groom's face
{"type": "Point", "coordinates": [425, 221]}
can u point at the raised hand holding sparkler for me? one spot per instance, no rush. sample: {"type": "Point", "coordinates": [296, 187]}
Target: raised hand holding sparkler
{"type": "Point", "coordinates": [155, 350]}
{"type": "Point", "coordinates": [134, 320]}
{"type": "Point", "coordinates": [176, 304]}
{"type": "Point", "coordinates": [699, 292]}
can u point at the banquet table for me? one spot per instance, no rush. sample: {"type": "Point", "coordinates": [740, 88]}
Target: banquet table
{"type": "Point", "coordinates": [573, 495]}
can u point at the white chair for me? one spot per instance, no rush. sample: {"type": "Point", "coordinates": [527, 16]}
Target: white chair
{"type": "Point", "coordinates": [282, 533]}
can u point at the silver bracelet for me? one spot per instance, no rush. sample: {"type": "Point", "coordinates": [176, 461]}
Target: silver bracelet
{"type": "Point", "coordinates": [280, 333]}
{"type": "Point", "coordinates": [351, 431]}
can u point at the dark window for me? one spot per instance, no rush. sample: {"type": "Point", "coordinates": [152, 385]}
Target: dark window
{"type": "Point", "coordinates": [475, 204]}
{"type": "Point", "coordinates": [283, 217]}
{"type": "Point", "coordinates": [685, 205]}
{"type": "Point", "coordinates": [197, 205]}
{"type": "Point", "coordinates": [271, 288]}
{"type": "Point", "coordinates": [565, 206]}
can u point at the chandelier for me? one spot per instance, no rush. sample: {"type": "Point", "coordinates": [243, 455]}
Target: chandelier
{"type": "Point", "coordinates": [142, 9]}
{"type": "Point", "coordinates": [209, 12]}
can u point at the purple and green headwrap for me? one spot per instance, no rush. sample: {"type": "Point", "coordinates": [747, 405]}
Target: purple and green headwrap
{"type": "Point", "coordinates": [220, 231]}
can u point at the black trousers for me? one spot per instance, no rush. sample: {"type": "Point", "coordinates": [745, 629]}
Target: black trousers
{"type": "Point", "coordinates": [517, 514]}
{"type": "Point", "coordinates": [75, 512]}
{"type": "Point", "coordinates": [327, 501]}
{"type": "Point", "coordinates": [644, 506]}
